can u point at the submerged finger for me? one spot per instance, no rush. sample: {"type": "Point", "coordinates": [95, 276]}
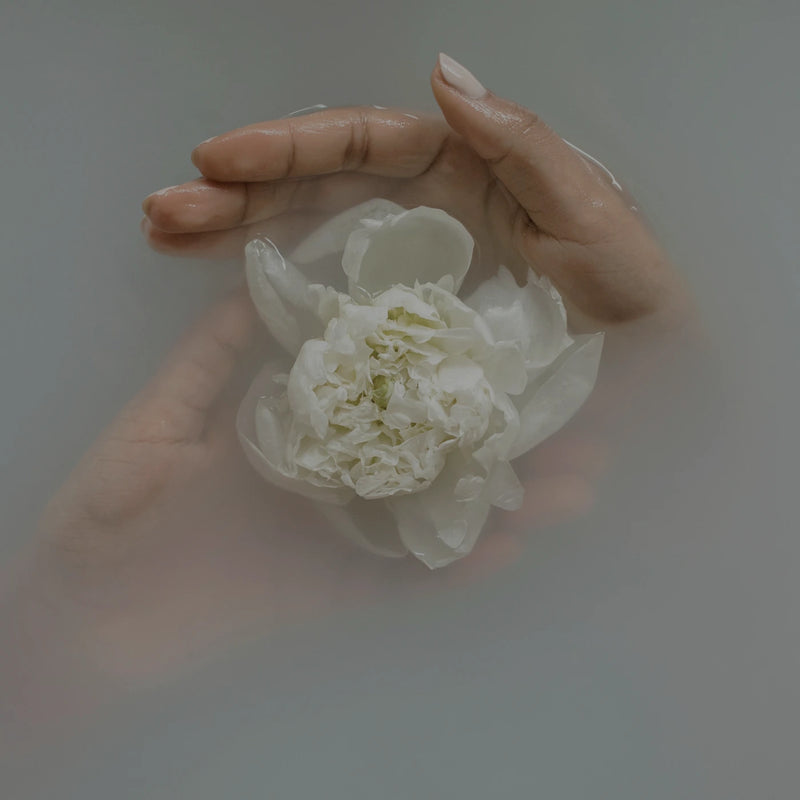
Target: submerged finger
{"type": "Point", "coordinates": [205, 205]}
{"type": "Point", "coordinates": [175, 405]}
{"type": "Point", "coordinates": [285, 230]}
{"type": "Point", "coordinates": [551, 499]}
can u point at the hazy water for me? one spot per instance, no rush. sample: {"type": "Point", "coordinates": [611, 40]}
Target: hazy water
{"type": "Point", "coordinates": [649, 650]}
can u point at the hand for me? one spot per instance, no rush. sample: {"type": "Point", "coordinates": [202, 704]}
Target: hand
{"type": "Point", "coordinates": [528, 197]}
{"type": "Point", "coordinates": [163, 543]}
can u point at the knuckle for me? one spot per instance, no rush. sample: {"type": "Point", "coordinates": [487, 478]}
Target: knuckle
{"type": "Point", "coordinates": [523, 134]}
{"type": "Point", "coordinates": [357, 147]}
{"type": "Point", "coordinates": [526, 126]}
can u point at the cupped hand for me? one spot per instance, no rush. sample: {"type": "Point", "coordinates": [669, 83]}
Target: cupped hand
{"type": "Point", "coordinates": [527, 196]}
{"type": "Point", "coordinates": [163, 543]}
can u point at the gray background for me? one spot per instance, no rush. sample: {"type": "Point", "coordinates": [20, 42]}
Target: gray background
{"type": "Point", "coordinates": [651, 650]}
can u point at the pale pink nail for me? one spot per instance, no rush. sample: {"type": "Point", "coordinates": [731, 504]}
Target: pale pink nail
{"type": "Point", "coordinates": [202, 144]}
{"type": "Point", "coordinates": [149, 199]}
{"type": "Point", "coordinates": [460, 77]}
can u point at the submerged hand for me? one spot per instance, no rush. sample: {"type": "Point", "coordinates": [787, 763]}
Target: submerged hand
{"type": "Point", "coordinates": [164, 542]}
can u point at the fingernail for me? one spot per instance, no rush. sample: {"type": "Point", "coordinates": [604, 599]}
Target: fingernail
{"type": "Point", "coordinates": [197, 149]}
{"type": "Point", "coordinates": [460, 78]}
{"type": "Point", "coordinates": [148, 201]}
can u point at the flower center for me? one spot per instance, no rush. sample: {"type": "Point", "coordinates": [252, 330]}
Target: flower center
{"type": "Point", "coordinates": [381, 391]}
{"type": "Point", "coordinates": [390, 402]}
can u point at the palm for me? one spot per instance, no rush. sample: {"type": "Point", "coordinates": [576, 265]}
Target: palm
{"type": "Point", "coordinates": [170, 541]}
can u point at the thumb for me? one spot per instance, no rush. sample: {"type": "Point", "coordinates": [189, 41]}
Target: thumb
{"type": "Point", "coordinates": [574, 224]}
{"type": "Point", "coordinates": [563, 194]}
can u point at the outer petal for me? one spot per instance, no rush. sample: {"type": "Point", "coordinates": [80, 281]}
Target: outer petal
{"type": "Point", "coordinates": [533, 316]}
{"type": "Point", "coordinates": [293, 309]}
{"type": "Point", "coordinates": [367, 524]}
{"type": "Point", "coordinates": [503, 488]}
{"type": "Point", "coordinates": [331, 236]}
{"type": "Point", "coordinates": [442, 523]}
{"type": "Point", "coordinates": [265, 447]}
{"type": "Point", "coordinates": [435, 538]}
{"type": "Point", "coordinates": [421, 245]}
{"type": "Point", "coordinates": [548, 403]}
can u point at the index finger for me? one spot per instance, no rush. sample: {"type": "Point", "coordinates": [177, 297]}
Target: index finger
{"type": "Point", "coordinates": [364, 139]}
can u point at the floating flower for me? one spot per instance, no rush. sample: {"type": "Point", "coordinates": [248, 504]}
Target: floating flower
{"type": "Point", "coordinates": [405, 404]}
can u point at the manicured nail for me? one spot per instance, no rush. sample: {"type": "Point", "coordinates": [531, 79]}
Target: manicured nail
{"type": "Point", "coordinates": [146, 203]}
{"type": "Point", "coordinates": [460, 78]}
{"type": "Point", "coordinates": [197, 149]}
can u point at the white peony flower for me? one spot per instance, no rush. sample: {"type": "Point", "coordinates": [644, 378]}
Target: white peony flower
{"type": "Point", "coordinates": [405, 404]}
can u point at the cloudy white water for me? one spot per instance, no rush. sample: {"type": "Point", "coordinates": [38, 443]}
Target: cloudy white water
{"type": "Point", "coordinates": [647, 649]}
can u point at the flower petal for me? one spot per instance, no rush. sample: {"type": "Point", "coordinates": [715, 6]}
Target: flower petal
{"type": "Point", "coordinates": [549, 403]}
{"type": "Point", "coordinates": [505, 368]}
{"type": "Point", "coordinates": [293, 309]}
{"type": "Point", "coordinates": [331, 236]}
{"type": "Point", "coordinates": [443, 523]}
{"type": "Point", "coordinates": [505, 428]}
{"type": "Point", "coordinates": [262, 435]}
{"type": "Point", "coordinates": [367, 524]}
{"type": "Point", "coordinates": [438, 539]}
{"type": "Point", "coordinates": [308, 372]}
{"type": "Point", "coordinates": [421, 245]}
{"type": "Point", "coordinates": [533, 316]}
{"type": "Point", "coordinates": [503, 488]}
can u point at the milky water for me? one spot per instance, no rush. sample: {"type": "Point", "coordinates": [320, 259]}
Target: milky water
{"type": "Point", "coordinates": [647, 649]}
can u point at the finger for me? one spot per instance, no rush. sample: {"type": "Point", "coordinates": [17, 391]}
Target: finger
{"type": "Point", "coordinates": [175, 406]}
{"type": "Point", "coordinates": [579, 453]}
{"type": "Point", "coordinates": [285, 231]}
{"type": "Point", "coordinates": [561, 192]}
{"type": "Point", "coordinates": [215, 245]}
{"type": "Point", "coordinates": [552, 499]}
{"type": "Point", "coordinates": [371, 140]}
{"type": "Point", "coordinates": [205, 205]}
{"type": "Point", "coordinates": [495, 550]}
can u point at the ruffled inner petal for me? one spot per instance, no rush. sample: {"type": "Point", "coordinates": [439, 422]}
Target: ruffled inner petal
{"type": "Point", "coordinates": [262, 433]}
